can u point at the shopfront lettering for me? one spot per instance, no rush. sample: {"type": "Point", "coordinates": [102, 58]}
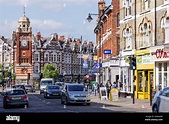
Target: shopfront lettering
{"type": "Point", "coordinates": [161, 54]}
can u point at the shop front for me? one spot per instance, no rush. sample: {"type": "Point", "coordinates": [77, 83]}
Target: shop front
{"type": "Point", "coordinates": [160, 57]}
{"type": "Point", "coordinates": [144, 74]}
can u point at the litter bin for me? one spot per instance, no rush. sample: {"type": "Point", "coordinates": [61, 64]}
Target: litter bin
{"type": "Point", "coordinates": [114, 94]}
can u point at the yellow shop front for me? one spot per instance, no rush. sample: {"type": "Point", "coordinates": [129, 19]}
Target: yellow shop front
{"type": "Point", "coordinates": [144, 74]}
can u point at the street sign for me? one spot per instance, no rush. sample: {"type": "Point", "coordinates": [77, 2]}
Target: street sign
{"type": "Point", "coordinates": [96, 65]}
{"type": "Point", "coordinates": [107, 51]}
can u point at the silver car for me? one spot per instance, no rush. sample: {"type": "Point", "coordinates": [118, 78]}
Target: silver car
{"type": "Point", "coordinates": [161, 101]}
{"type": "Point", "coordinates": [75, 93]}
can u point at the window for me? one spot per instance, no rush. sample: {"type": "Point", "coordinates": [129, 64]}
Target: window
{"type": "Point", "coordinates": [46, 57]}
{"type": "Point", "coordinates": [127, 34]}
{"type": "Point", "coordinates": [118, 19]}
{"type": "Point", "coordinates": [145, 34]}
{"type": "Point", "coordinates": [145, 4]}
{"type": "Point", "coordinates": [127, 5]}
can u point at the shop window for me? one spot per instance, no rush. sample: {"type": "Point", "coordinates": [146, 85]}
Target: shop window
{"type": "Point", "coordinates": [160, 66]}
{"type": "Point", "coordinates": [160, 81]}
{"type": "Point", "coordinates": [165, 74]}
{"type": "Point", "coordinates": [146, 81]}
{"type": "Point", "coordinates": [140, 82]}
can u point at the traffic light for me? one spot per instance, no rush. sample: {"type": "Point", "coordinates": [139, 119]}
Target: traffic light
{"type": "Point", "coordinates": [28, 76]}
{"type": "Point", "coordinates": [41, 75]}
{"type": "Point", "coordinates": [10, 76]}
{"type": "Point", "coordinates": [132, 63]}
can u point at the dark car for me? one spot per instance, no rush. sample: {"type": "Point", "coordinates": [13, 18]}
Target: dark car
{"type": "Point", "coordinates": [52, 91]}
{"type": "Point", "coordinates": [29, 88]}
{"type": "Point", "coordinates": [161, 101]}
{"type": "Point", "coordinates": [20, 86]}
{"type": "Point", "coordinates": [15, 97]}
{"type": "Point", "coordinates": [75, 93]}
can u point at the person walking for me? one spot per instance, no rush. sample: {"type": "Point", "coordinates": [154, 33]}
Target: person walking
{"type": "Point", "coordinates": [108, 87]}
{"type": "Point", "coordinates": [95, 89]}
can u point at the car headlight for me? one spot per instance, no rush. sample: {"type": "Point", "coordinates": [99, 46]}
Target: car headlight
{"type": "Point", "coordinates": [88, 95]}
{"type": "Point", "coordinates": [71, 95]}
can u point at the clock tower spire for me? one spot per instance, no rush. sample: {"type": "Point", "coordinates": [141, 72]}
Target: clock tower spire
{"type": "Point", "coordinates": [23, 49]}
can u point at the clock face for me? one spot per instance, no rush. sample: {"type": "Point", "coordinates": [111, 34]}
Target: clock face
{"type": "Point", "coordinates": [24, 43]}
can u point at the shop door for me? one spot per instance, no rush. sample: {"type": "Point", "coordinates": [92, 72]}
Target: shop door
{"type": "Point", "coordinates": [143, 84]}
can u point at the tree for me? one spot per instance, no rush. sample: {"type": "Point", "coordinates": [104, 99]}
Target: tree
{"type": "Point", "coordinates": [49, 71]}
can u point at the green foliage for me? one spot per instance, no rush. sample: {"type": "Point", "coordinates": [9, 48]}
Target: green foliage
{"type": "Point", "coordinates": [49, 71]}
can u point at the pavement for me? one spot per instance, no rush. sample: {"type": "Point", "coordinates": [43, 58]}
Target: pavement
{"type": "Point", "coordinates": [125, 102]}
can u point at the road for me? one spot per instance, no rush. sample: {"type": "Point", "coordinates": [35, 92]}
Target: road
{"type": "Point", "coordinates": [40, 104]}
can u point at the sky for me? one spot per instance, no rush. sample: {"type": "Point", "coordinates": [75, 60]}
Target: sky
{"type": "Point", "coordinates": [64, 17]}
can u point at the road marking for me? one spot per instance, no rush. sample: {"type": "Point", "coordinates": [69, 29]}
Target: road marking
{"type": "Point", "coordinates": [48, 103]}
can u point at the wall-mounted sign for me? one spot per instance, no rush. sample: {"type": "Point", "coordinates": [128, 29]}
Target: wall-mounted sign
{"type": "Point", "coordinates": [107, 51]}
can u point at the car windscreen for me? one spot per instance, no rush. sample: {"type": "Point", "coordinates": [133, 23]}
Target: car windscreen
{"type": "Point", "coordinates": [28, 86]}
{"type": "Point", "coordinates": [59, 84]}
{"type": "Point", "coordinates": [76, 88]}
{"type": "Point", "coordinates": [53, 87]}
{"type": "Point", "coordinates": [47, 82]}
{"type": "Point", "coordinates": [19, 86]}
{"type": "Point", "coordinates": [16, 92]}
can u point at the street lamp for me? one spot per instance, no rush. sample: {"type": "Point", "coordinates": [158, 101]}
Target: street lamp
{"type": "Point", "coordinates": [89, 18]}
{"type": "Point", "coordinates": [40, 74]}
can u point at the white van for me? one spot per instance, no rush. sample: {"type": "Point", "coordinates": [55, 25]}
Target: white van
{"type": "Point", "coordinates": [44, 82]}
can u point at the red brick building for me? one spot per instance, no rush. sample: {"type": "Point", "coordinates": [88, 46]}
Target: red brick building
{"type": "Point", "coordinates": [107, 38]}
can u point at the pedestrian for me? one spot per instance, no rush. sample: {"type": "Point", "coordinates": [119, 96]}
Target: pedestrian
{"type": "Point", "coordinates": [119, 88]}
{"type": "Point", "coordinates": [108, 87]}
{"type": "Point", "coordinates": [95, 89]}
{"type": "Point", "coordinates": [114, 84]}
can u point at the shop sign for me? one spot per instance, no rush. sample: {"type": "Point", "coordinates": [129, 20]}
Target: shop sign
{"type": "Point", "coordinates": [144, 59]}
{"type": "Point", "coordinates": [114, 62]}
{"type": "Point", "coordinates": [159, 53]}
{"type": "Point", "coordinates": [103, 93]}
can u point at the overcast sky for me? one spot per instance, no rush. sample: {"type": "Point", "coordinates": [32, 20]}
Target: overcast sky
{"type": "Point", "coordinates": [64, 17]}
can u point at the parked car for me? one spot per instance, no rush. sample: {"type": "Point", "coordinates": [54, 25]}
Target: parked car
{"type": "Point", "coordinates": [20, 86]}
{"type": "Point", "coordinates": [29, 88]}
{"type": "Point", "coordinates": [75, 93]}
{"type": "Point", "coordinates": [161, 101]}
{"type": "Point", "coordinates": [15, 97]}
{"type": "Point", "coordinates": [52, 91]}
{"type": "Point", "coordinates": [61, 84]}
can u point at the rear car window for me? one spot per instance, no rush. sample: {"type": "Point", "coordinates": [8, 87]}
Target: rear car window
{"type": "Point", "coordinates": [19, 86]}
{"type": "Point", "coordinates": [53, 87]}
{"type": "Point", "coordinates": [16, 92]}
{"type": "Point", "coordinates": [76, 88]}
{"type": "Point", "coordinates": [46, 82]}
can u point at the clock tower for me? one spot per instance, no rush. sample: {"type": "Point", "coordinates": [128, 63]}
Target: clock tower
{"type": "Point", "coordinates": [22, 51]}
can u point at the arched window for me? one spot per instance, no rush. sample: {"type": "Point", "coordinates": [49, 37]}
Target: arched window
{"type": "Point", "coordinates": [127, 34]}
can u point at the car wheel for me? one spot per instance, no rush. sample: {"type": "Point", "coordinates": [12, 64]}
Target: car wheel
{"type": "Point", "coordinates": [5, 106]}
{"type": "Point", "coordinates": [26, 106]}
{"type": "Point", "coordinates": [155, 109]}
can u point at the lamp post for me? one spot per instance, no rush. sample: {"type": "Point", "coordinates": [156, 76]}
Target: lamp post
{"type": "Point", "coordinates": [89, 18]}
{"type": "Point", "coordinates": [41, 53]}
